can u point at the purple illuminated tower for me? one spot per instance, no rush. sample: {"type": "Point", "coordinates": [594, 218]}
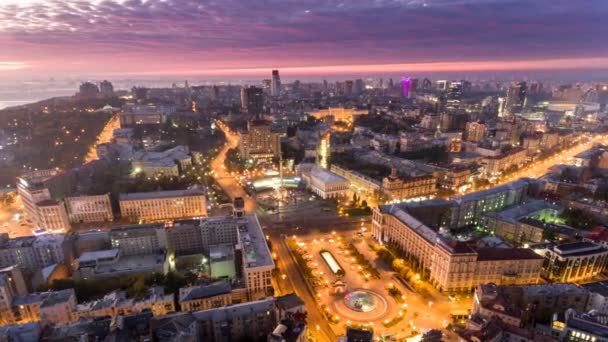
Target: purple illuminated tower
{"type": "Point", "coordinates": [405, 84]}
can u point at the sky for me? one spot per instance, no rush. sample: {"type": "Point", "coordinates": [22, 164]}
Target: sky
{"type": "Point", "coordinates": [129, 38]}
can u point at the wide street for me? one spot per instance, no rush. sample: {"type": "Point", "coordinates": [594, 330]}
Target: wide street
{"type": "Point", "coordinates": [222, 177]}
{"type": "Point", "coordinates": [104, 136]}
{"type": "Point", "coordinates": [539, 168]}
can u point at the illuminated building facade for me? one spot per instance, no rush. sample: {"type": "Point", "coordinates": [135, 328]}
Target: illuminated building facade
{"type": "Point", "coordinates": [259, 142]}
{"type": "Point", "coordinates": [163, 205]}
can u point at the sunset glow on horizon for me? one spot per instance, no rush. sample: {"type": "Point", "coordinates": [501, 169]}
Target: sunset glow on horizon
{"type": "Point", "coordinates": [315, 37]}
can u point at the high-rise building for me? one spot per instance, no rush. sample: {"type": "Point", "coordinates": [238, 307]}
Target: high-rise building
{"type": "Point", "coordinates": [348, 88]}
{"type": "Point", "coordinates": [476, 131]}
{"type": "Point", "coordinates": [536, 88]}
{"type": "Point", "coordinates": [358, 87]}
{"type": "Point", "coordinates": [252, 100]}
{"type": "Point", "coordinates": [259, 142]}
{"type": "Point", "coordinates": [275, 89]}
{"type": "Point", "coordinates": [406, 82]}
{"type": "Point", "coordinates": [426, 84]}
{"type": "Point", "coordinates": [267, 85]}
{"type": "Point", "coordinates": [516, 98]}
{"type": "Point", "coordinates": [106, 88]}
{"type": "Point", "coordinates": [295, 87]}
{"type": "Point", "coordinates": [88, 90]}
{"type": "Point", "coordinates": [454, 95]}
{"type": "Point", "coordinates": [443, 85]}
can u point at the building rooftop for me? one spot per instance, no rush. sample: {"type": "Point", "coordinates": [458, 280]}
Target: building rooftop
{"type": "Point", "coordinates": [160, 194]}
{"type": "Point", "coordinates": [48, 298]}
{"type": "Point", "coordinates": [173, 327]}
{"type": "Point", "coordinates": [514, 213]}
{"type": "Point", "coordinates": [96, 255]}
{"type": "Point", "coordinates": [20, 332]}
{"type": "Point", "coordinates": [204, 291]}
{"type": "Point", "coordinates": [578, 248]}
{"type": "Point", "coordinates": [402, 215]}
{"type": "Point", "coordinates": [289, 301]}
{"type": "Point", "coordinates": [599, 287]}
{"type": "Point", "coordinates": [136, 230]}
{"type": "Point", "coordinates": [552, 289]}
{"type": "Point", "coordinates": [131, 264]}
{"type": "Point", "coordinates": [474, 196]}
{"type": "Point", "coordinates": [236, 310]}
{"type": "Point", "coordinates": [89, 330]}
{"type": "Point", "coordinates": [253, 243]}
{"type": "Point", "coordinates": [326, 176]}
{"type": "Point", "coordinates": [488, 254]}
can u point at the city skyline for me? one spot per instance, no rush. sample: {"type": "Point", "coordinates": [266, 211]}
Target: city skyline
{"type": "Point", "coordinates": [122, 38]}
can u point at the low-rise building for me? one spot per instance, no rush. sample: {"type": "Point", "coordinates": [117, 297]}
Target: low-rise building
{"type": "Point", "coordinates": [523, 305]}
{"type": "Point", "coordinates": [457, 179]}
{"type": "Point", "coordinates": [205, 297]}
{"type": "Point", "coordinates": [252, 319]}
{"type": "Point", "coordinates": [496, 166]}
{"type": "Point", "coordinates": [326, 184]}
{"type": "Point", "coordinates": [52, 216]}
{"type": "Point", "coordinates": [86, 209]}
{"type": "Point", "coordinates": [117, 303]}
{"type": "Point", "coordinates": [47, 307]}
{"type": "Point", "coordinates": [396, 187]}
{"type": "Point", "coordinates": [163, 205]}
{"type": "Point", "coordinates": [598, 296]}
{"type": "Point", "coordinates": [167, 163]}
{"type": "Point", "coordinates": [109, 263]}
{"type": "Point", "coordinates": [575, 325]}
{"type": "Point", "coordinates": [575, 261]}
{"type": "Point", "coordinates": [359, 183]}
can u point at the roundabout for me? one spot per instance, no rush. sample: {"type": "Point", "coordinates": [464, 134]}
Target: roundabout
{"type": "Point", "coordinates": [361, 305]}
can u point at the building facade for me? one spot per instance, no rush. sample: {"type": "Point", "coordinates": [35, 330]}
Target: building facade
{"type": "Point", "coordinates": [86, 209]}
{"type": "Point", "coordinates": [572, 262]}
{"type": "Point", "coordinates": [163, 205]}
{"type": "Point", "coordinates": [259, 142]}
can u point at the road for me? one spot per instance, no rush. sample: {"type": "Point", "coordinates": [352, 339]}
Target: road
{"type": "Point", "coordinates": [222, 177]}
{"type": "Point", "coordinates": [539, 168]}
{"type": "Point", "coordinates": [104, 136]}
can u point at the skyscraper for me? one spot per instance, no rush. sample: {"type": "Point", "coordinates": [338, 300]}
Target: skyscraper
{"type": "Point", "coordinates": [348, 88]}
{"type": "Point", "coordinates": [516, 98]}
{"type": "Point", "coordinates": [358, 87]}
{"type": "Point", "coordinates": [426, 84]}
{"type": "Point", "coordinates": [106, 88]}
{"type": "Point", "coordinates": [275, 89]}
{"type": "Point", "coordinates": [252, 100]}
{"type": "Point", "coordinates": [406, 82]}
{"type": "Point", "coordinates": [454, 95]}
